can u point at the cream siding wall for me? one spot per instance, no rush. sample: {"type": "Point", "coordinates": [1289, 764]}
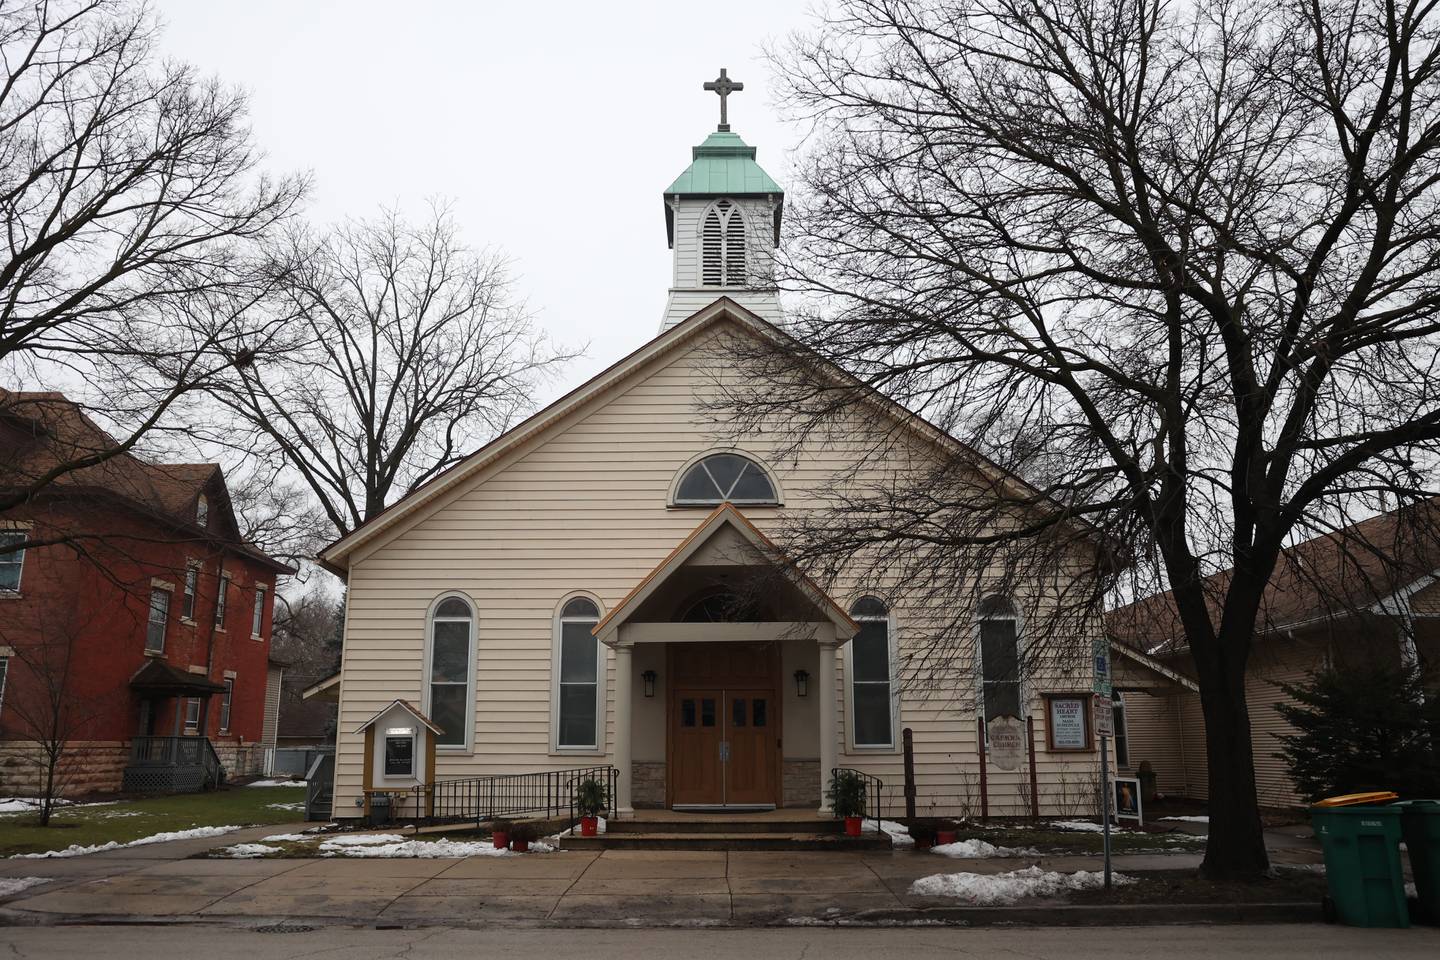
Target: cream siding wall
{"type": "Point", "coordinates": [1153, 724]}
{"type": "Point", "coordinates": [583, 508]}
{"type": "Point", "coordinates": [271, 722]}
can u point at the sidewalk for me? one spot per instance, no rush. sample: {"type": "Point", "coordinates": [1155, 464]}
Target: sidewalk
{"type": "Point", "coordinates": [613, 887]}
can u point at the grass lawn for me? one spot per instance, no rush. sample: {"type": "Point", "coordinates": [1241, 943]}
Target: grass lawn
{"type": "Point", "coordinates": [1078, 842]}
{"type": "Point", "coordinates": [132, 819]}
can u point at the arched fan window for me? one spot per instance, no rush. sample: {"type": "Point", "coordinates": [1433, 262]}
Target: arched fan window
{"type": "Point", "coordinates": [725, 477]}
{"type": "Point", "coordinates": [722, 247]}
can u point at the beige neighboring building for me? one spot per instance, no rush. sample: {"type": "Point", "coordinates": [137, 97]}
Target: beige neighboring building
{"type": "Point", "coordinates": [1331, 600]}
{"type": "Point", "coordinates": [568, 595]}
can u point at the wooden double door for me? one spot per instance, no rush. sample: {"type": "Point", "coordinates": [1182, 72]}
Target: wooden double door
{"type": "Point", "coordinates": [723, 732]}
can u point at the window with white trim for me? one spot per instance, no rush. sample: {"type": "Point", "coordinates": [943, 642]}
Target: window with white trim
{"type": "Point", "coordinates": [724, 477]}
{"type": "Point", "coordinates": [999, 658]}
{"type": "Point", "coordinates": [192, 714]}
{"type": "Point", "coordinates": [257, 616]}
{"type": "Point", "coordinates": [12, 559]}
{"type": "Point", "coordinates": [225, 700]}
{"type": "Point", "coordinates": [202, 511]}
{"type": "Point", "coordinates": [158, 620]}
{"type": "Point", "coordinates": [722, 247]}
{"type": "Point", "coordinates": [222, 595]}
{"type": "Point", "coordinates": [4, 675]}
{"type": "Point", "coordinates": [871, 700]}
{"type": "Point", "coordinates": [1122, 734]}
{"type": "Point", "coordinates": [187, 603]}
{"type": "Point", "coordinates": [448, 694]}
{"type": "Point", "coordinates": [577, 720]}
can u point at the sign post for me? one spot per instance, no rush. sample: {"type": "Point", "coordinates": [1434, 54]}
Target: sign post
{"type": "Point", "coordinates": [1101, 655]}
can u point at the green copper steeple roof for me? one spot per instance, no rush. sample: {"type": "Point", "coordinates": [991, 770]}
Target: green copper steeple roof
{"type": "Point", "coordinates": [723, 165]}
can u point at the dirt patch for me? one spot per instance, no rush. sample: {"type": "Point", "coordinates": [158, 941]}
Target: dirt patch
{"type": "Point", "coordinates": [1187, 886]}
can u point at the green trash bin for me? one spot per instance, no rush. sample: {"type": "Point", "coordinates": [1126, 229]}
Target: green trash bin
{"type": "Point", "coordinates": [1362, 864]}
{"type": "Point", "coordinates": [1420, 826]}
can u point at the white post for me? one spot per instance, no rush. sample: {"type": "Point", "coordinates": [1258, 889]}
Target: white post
{"type": "Point", "coordinates": [623, 707]}
{"type": "Point", "coordinates": [826, 684]}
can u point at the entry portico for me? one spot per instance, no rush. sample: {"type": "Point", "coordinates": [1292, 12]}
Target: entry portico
{"type": "Point", "coordinates": [729, 612]}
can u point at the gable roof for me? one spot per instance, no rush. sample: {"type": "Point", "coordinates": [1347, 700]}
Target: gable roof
{"type": "Point", "coordinates": [722, 310]}
{"type": "Point", "coordinates": [409, 708]}
{"type": "Point", "coordinates": [723, 515]}
{"type": "Point", "coordinates": [1150, 663]}
{"type": "Point", "coordinates": [1337, 574]}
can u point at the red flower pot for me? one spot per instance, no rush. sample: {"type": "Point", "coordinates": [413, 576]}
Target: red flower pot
{"type": "Point", "coordinates": [520, 846]}
{"type": "Point", "coordinates": [589, 826]}
{"type": "Point", "coordinates": [943, 837]}
{"type": "Point", "coordinates": [501, 839]}
{"type": "Point", "coordinates": [852, 826]}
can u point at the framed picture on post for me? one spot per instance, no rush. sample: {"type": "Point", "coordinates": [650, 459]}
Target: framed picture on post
{"type": "Point", "coordinates": [1067, 722]}
{"type": "Point", "coordinates": [1127, 799]}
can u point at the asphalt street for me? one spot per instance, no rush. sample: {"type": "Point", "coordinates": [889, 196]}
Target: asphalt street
{"type": "Point", "coordinates": [222, 942]}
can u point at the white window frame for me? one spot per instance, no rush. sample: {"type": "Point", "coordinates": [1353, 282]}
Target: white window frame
{"type": "Point", "coordinates": [4, 678]}
{"type": "Point", "coordinates": [892, 642]}
{"type": "Point", "coordinates": [1122, 730]}
{"type": "Point", "coordinates": [222, 595]}
{"type": "Point", "coordinates": [1024, 684]}
{"type": "Point", "coordinates": [190, 586]}
{"type": "Point", "coordinates": [227, 702]}
{"type": "Point", "coordinates": [736, 209]}
{"type": "Point", "coordinates": [24, 534]}
{"type": "Point", "coordinates": [673, 500]}
{"type": "Point", "coordinates": [202, 512]}
{"type": "Point", "coordinates": [469, 743]}
{"type": "Point", "coordinates": [602, 670]}
{"type": "Point", "coordinates": [168, 594]}
{"type": "Point", "coordinates": [192, 702]}
{"type": "Point", "coordinates": [257, 613]}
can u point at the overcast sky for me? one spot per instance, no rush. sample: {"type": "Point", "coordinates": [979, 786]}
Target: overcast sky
{"type": "Point", "coordinates": [553, 127]}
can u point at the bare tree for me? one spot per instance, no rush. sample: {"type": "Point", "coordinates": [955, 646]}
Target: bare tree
{"type": "Point", "coordinates": [133, 210]}
{"type": "Point", "coordinates": [1173, 263]}
{"type": "Point", "coordinates": [406, 350]}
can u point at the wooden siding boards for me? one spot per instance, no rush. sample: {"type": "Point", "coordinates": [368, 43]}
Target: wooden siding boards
{"type": "Point", "coordinates": [582, 507]}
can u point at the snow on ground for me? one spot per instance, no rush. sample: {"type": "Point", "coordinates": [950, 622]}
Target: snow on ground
{"type": "Point", "coordinates": [247, 851]}
{"type": "Point", "coordinates": [76, 850]}
{"type": "Point", "coordinates": [1078, 825]}
{"type": "Point", "coordinates": [363, 839]}
{"type": "Point", "coordinates": [898, 833]}
{"type": "Point", "coordinates": [286, 806]}
{"type": "Point", "coordinates": [9, 886]}
{"type": "Point", "coordinates": [279, 837]}
{"type": "Point", "coordinates": [973, 849]}
{"type": "Point", "coordinates": [981, 889]}
{"type": "Point", "coordinates": [419, 849]}
{"type": "Point", "coordinates": [1187, 819]}
{"type": "Point", "coordinates": [26, 804]}
{"type": "Point", "coordinates": [277, 783]}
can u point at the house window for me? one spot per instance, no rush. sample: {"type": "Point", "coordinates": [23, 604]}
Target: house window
{"type": "Point", "coordinates": [192, 715]}
{"type": "Point", "coordinates": [400, 752]}
{"type": "Point", "coordinates": [12, 559]}
{"type": "Point", "coordinates": [202, 511]}
{"type": "Point", "coordinates": [871, 704]}
{"type": "Point", "coordinates": [187, 604]}
{"type": "Point", "coordinates": [722, 247]}
{"type": "Point", "coordinates": [221, 595]}
{"type": "Point", "coordinates": [159, 617]}
{"type": "Point", "coordinates": [579, 700]}
{"type": "Point", "coordinates": [451, 634]}
{"type": "Point", "coordinates": [724, 477]}
{"type": "Point", "coordinates": [257, 616]}
{"type": "Point", "coordinates": [999, 658]}
{"type": "Point", "coordinates": [1122, 735]}
{"type": "Point", "coordinates": [225, 700]}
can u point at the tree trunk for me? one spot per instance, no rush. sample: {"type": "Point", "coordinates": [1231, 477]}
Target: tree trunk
{"type": "Point", "coordinates": [1236, 846]}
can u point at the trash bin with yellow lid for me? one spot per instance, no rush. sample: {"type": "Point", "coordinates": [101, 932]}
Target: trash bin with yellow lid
{"type": "Point", "coordinates": [1361, 840]}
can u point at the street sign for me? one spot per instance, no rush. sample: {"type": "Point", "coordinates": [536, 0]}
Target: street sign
{"type": "Point", "coordinates": [1100, 651]}
{"type": "Point", "coordinates": [1103, 710]}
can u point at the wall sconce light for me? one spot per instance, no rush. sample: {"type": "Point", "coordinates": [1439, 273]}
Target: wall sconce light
{"type": "Point", "coordinates": [648, 678]}
{"type": "Point", "coordinates": [802, 683]}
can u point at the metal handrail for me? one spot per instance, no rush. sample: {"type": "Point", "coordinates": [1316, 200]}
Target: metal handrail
{"type": "Point", "coordinates": [545, 792]}
{"type": "Point", "coordinates": [874, 787]}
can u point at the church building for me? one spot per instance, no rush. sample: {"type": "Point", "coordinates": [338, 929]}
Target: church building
{"type": "Point", "coordinates": [566, 597]}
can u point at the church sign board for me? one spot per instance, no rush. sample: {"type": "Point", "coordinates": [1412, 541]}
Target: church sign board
{"type": "Point", "coordinates": [1067, 721]}
{"type": "Point", "coordinates": [1007, 742]}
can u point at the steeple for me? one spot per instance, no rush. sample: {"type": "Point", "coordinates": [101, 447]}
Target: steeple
{"type": "Point", "coordinates": [722, 220]}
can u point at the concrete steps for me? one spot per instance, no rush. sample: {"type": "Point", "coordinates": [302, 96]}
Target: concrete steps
{"type": "Point", "coordinates": [681, 839]}
{"type": "Point", "coordinates": [723, 823]}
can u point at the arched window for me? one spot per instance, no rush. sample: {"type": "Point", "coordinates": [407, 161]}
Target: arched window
{"type": "Point", "coordinates": [724, 476]}
{"type": "Point", "coordinates": [999, 658]}
{"type": "Point", "coordinates": [578, 703]}
{"type": "Point", "coordinates": [722, 247]}
{"type": "Point", "coordinates": [452, 641]}
{"type": "Point", "coordinates": [871, 700]}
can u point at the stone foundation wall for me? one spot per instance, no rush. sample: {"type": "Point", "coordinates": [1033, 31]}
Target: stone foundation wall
{"type": "Point", "coordinates": [246, 761]}
{"type": "Point", "coordinates": [647, 784]}
{"type": "Point", "coordinates": [87, 767]}
{"type": "Point", "coordinates": [801, 787]}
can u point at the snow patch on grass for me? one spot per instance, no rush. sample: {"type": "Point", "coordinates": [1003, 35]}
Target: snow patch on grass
{"type": "Point", "coordinates": [29, 804]}
{"type": "Point", "coordinates": [297, 806]}
{"type": "Point", "coordinates": [975, 849]}
{"type": "Point", "coordinates": [1187, 819]}
{"type": "Point", "coordinates": [420, 849]}
{"type": "Point", "coordinates": [292, 837]}
{"type": "Point", "coordinates": [246, 851]}
{"type": "Point", "coordinates": [981, 889]}
{"type": "Point", "coordinates": [9, 886]}
{"type": "Point", "coordinates": [76, 850]}
{"type": "Point", "coordinates": [276, 783]}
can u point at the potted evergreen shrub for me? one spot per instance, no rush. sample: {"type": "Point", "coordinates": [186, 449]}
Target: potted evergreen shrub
{"type": "Point", "coordinates": [590, 800]}
{"type": "Point", "coordinates": [522, 835]}
{"type": "Point", "coordinates": [500, 833]}
{"type": "Point", "coordinates": [847, 799]}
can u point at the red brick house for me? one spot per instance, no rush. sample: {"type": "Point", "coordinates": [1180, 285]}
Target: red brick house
{"type": "Point", "coordinates": [135, 626]}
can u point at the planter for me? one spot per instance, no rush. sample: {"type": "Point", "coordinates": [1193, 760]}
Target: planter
{"type": "Point", "coordinates": [943, 837]}
{"type": "Point", "coordinates": [501, 839]}
{"type": "Point", "coordinates": [520, 846]}
{"type": "Point", "coordinates": [923, 843]}
{"type": "Point", "coordinates": [589, 826]}
{"type": "Point", "coordinates": [852, 826]}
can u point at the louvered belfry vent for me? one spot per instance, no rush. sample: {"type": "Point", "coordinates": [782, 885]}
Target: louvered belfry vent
{"type": "Point", "coordinates": [722, 247]}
